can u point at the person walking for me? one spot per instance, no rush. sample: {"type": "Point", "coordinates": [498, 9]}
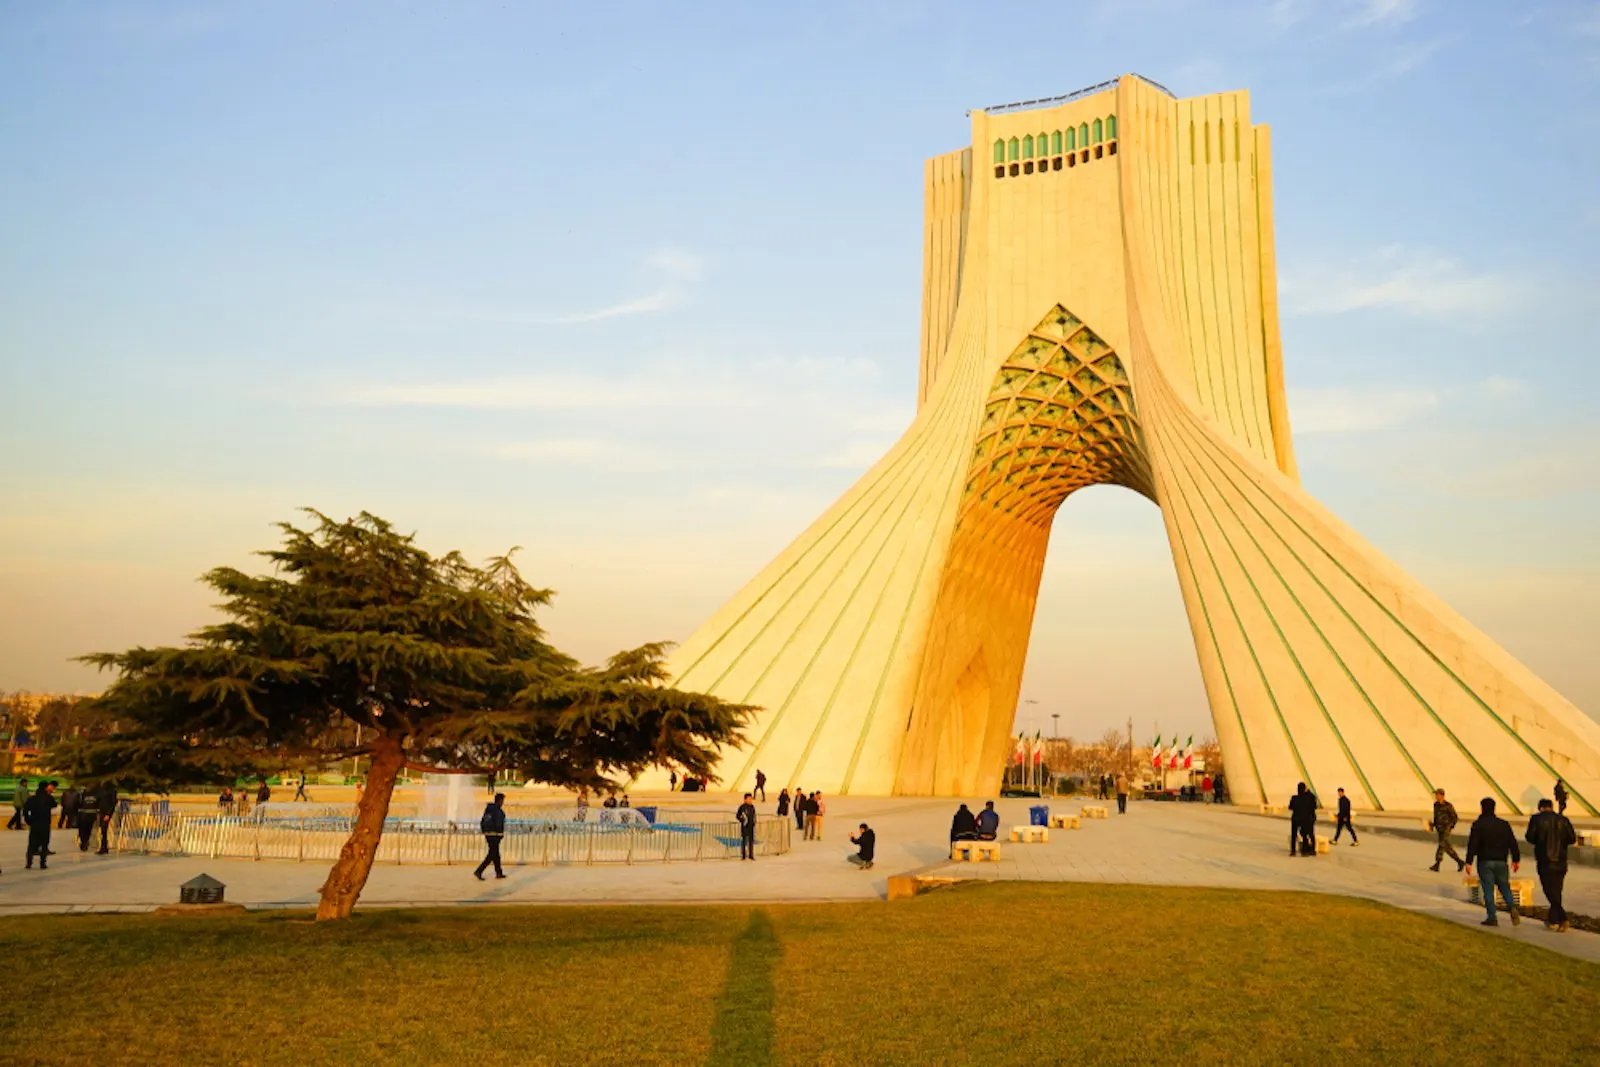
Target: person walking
{"type": "Point", "coordinates": [1122, 793]}
{"type": "Point", "coordinates": [818, 810]}
{"type": "Point", "coordinates": [37, 814]}
{"type": "Point", "coordinates": [105, 807]}
{"type": "Point", "coordinates": [1205, 789]}
{"type": "Point", "coordinates": [1216, 788]}
{"type": "Point", "coordinates": [1560, 793]}
{"type": "Point", "coordinates": [866, 843]}
{"type": "Point", "coordinates": [801, 803]}
{"type": "Point", "coordinates": [747, 829]}
{"type": "Point", "coordinates": [1444, 820]}
{"type": "Point", "coordinates": [493, 825]}
{"type": "Point", "coordinates": [19, 800]}
{"type": "Point", "coordinates": [1551, 834]}
{"type": "Point", "coordinates": [69, 808]}
{"type": "Point", "coordinates": [783, 803]}
{"type": "Point", "coordinates": [1344, 822]}
{"type": "Point", "coordinates": [672, 782]}
{"type": "Point", "coordinates": [88, 811]}
{"type": "Point", "coordinates": [263, 794]}
{"type": "Point", "coordinates": [300, 790]}
{"type": "Point", "coordinates": [761, 785]}
{"type": "Point", "coordinates": [1490, 842]}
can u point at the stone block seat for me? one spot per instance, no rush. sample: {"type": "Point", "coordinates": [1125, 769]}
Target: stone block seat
{"type": "Point", "coordinates": [1065, 822]}
{"type": "Point", "coordinates": [1324, 843]}
{"type": "Point", "coordinates": [1092, 811]}
{"type": "Point", "coordinates": [1272, 809]}
{"type": "Point", "coordinates": [1521, 888]}
{"type": "Point", "coordinates": [1030, 834]}
{"type": "Point", "coordinates": [975, 851]}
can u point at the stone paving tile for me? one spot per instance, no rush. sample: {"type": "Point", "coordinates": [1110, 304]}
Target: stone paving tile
{"type": "Point", "coordinates": [1155, 844]}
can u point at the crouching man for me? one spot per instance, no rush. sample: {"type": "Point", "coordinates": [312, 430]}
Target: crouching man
{"type": "Point", "coordinates": [865, 841]}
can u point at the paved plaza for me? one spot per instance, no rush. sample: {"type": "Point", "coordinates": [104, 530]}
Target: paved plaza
{"type": "Point", "coordinates": [1154, 844]}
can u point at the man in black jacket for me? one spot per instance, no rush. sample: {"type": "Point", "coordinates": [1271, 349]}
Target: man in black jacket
{"type": "Point", "coordinates": [1302, 821]}
{"type": "Point", "coordinates": [36, 813]}
{"type": "Point", "coordinates": [493, 825]}
{"type": "Point", "coordinates": [865, 841]}
{"type": "Point", "coordinates": [1551, 833]}
{"type": "Point", "coordinates": [1490, 842]}
{"type": "Point", "coordinates": [1344, 822]}
{"type": "Point", "coordinates": [964, 827]}
{"type": "Point", "coordinates": [1561, 797]}
{"type": "Point", "coordinates": [747, 828]}
{"type": "Point", "coordinates": [105, 807]}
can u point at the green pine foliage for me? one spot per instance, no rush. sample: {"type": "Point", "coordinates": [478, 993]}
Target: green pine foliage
{"type": "Point", "coordinates": [358, 626]}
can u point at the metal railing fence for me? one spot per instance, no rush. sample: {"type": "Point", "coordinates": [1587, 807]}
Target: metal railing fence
{"type": "Point", "coordinates": [319, 838]}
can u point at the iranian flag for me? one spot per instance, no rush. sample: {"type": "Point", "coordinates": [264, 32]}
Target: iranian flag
{"type": "Point", "coordinates": [1022, 745]}
{"type": "Point", "coordinates": [1155, 748]}
{"type": "Point", "coordinates": [1038, 746]}
{"type": "Point", "coordinates": [1188, 753]}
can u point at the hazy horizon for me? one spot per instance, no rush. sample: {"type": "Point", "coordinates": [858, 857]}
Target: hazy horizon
{"type": "Point", "coordinates": [638, 289]}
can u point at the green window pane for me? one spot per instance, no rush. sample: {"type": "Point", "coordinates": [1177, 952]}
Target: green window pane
{"type": "Point", "coordinates": [1098, 133]}
{"type": "Point", "coordinates": [1083, 135]}
{"type": "Point", "coordinates": [1027, 147]}
{"type": "Point", "coordinates": [1111, 127]}
{"type": "Point", "coordinates": [1055, 143]}
{"type": "Point", "coordinates": [1043, 141]}
{"type": "Point", "coordinates": [999, 151]}
{"type": "Point", "coordinates": [1072, 139]}
{"type": "Point", "coordinates": [1012, 148]}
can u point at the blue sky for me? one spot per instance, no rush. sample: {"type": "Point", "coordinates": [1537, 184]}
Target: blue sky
{"type": "Point", "coordinates": [636, 287]}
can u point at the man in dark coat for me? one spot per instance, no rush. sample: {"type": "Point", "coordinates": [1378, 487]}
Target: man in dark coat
{"type": "Point", "coordinates": [747, 829]}
{"type": "Point", "coordinates": [88, 814]}
{"type": "Point", "coordinates": [69, 808]}
{"type": "Point", "coordinates": [1490, 843]}
{"type": "Point", "coordinates": [1561, 797]}
{"type": "Point", "coordinates": [493, 825]}
{"type": "Point", "coordinates": [37, 814]}
{"type": "Point", "coordinates": [761, 785]}
{"type": "Point", "coordinates": [1551, 834]}
{"type": "Point", "coordinates": [964, 827]}
{"type": "Point", "coordinates": [105, 808]}
{"type": "Point", "coordinates": [1344, 822]}
{"type": "Point", "coordinates": [799, 808]}
{"type": "Point", "coordinates": [866, 842]}
{"type": "Point", "coordinates": [1299, 827]}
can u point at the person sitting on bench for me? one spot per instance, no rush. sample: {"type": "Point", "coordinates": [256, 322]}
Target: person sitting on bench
{"type": "Point", "coordinates": [964, 827]}
{"type": "Point", "coordinates": [988, 822]}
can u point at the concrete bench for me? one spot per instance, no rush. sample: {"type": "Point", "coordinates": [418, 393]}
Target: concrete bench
{"type": "Point", "coordinates": [1324, 843]}
{"type": "Point", "coordinates": [1521, 888]}
{"type": "Point", "coordinates": [1092, 811]}
{"type": "Point", "coordinates": [975, 851]}
{"type": "Point", "coordinates": [1065, 822]}
{"type": "Point", "coordinates": [1030, 834]}
{"type": "Point", "coordinates": [1272, 809]}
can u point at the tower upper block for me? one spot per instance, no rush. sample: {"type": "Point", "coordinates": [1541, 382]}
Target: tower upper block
{"type": "Point", "coordinates": [1100, 307]}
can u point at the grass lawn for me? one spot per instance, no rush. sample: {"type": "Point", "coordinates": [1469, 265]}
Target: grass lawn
{"type": "Point", "coordinates": [984, 974]}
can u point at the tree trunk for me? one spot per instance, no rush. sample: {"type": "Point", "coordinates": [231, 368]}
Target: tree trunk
{"type": "Point", "coordinates": [350, 870]}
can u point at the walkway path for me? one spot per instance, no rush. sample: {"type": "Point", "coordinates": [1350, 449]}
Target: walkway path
{"type": "Point", "coordinates": [1154, 844]}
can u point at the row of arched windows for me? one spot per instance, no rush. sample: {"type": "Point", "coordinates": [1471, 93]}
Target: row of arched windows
{"type": "Point", "coordinates": [1056, 142]}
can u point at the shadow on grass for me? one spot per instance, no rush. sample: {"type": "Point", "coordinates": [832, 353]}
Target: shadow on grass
{"type": "Point", "coordinates": [741, 1033]}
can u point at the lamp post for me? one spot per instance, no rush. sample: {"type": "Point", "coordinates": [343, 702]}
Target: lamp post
{"type": "Point", "coordinates": [1055, 725]}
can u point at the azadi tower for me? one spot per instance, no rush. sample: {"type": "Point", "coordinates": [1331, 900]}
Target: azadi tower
{"type": "Point", "coordinates": [1100, 306]}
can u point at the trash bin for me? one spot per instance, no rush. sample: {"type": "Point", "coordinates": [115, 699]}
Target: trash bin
{"type": "Point", "coordinates": [647, 812]}
{"type": "Point", "coordinates": [1039, 815]}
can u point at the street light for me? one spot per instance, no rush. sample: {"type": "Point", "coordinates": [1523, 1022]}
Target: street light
{"type": "Point", "coordinates": [1055, 725]}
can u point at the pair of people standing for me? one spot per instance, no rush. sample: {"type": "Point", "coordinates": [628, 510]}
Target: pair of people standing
{"type": "Point", "coordinates": [808, 812]}
{"type": "Point", "coordinates": [1303, 821]}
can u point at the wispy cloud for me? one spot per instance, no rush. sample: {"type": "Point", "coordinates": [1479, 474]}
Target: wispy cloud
{"type": "Point", "coordinates": [1415, 281]}
{"type": "Point", "coordinates": [1343, 409]}
{"type": "Point", "coordinates": [676, 269]}
{"type": "Point", "coordinates": [1382, 13]}
{"type": "Point", "coordinates": [666, 384]}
